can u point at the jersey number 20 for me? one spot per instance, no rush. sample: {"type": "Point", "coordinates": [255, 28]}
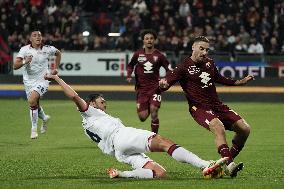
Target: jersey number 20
{"type": "Point", "coordinates": [93, 136]}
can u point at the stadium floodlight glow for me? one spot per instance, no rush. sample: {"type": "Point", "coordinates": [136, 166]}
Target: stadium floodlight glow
{"type": "Point", "coordinates": [113, 34]}
{"type": "Point", "coordinates": [86, 33]}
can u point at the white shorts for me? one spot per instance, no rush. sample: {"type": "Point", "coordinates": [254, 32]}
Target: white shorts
{"type": "Point", "coordinates": [130, 144]}
{"type": "Point", "coordinates": [40, 88]}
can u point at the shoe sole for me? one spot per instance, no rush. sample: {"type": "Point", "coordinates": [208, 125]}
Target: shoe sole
{"type": "Point", "coordinates": [238, 168]}
{"type": "Point", "coordinates": [218, 164]}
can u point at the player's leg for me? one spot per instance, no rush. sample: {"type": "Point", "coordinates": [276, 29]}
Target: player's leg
{"type": "Point", "coordinates": [218, 129]}
{"type": "Point", "coordinates": [242, 130]}
{"type": "Point", "coordinates": [44, 117]}
{"type": "Point", "coordinates": [161, 144]}
{"type": "Point", "coordinates": [234, 122]}
{"type": "Point", "coordinates": [155, 103]}
{"type": "Point", "coordinates": [142, 106]}
{"type": "Point", "coordinates": [143, 167]}
{"type": "Point", "coordinates": [209, 120]}
{"type": "Point", "coordinates": [155, 123]}
{"type": "Point", "coordinates": [33, 103]}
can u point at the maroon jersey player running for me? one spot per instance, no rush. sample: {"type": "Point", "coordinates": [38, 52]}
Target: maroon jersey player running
{"type": "Point", "coordinates": [197, 75]}
{"type": "Point", "coordinates": [147, 63]}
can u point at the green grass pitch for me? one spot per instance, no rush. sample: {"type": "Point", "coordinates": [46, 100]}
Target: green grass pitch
{"type": "Point", "coordinates": [65, 158]}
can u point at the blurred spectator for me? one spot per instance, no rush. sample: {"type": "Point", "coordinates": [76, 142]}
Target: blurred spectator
{"type": "Point", "coordinates": [140, 5]}
{"type": "Point", "coordinates": [255, 47]}
{"type": "Point", "coordinates": [229, 24]}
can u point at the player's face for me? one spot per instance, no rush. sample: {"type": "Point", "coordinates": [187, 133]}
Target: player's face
{"type": "Point", "coordinates": [99, 103]}
{"type": "Point", "coordinates": [200, 51]}
{"type": "Point", "coordinates": [148, 41]}
{"type": "Point", "coordinates": [36, 38]}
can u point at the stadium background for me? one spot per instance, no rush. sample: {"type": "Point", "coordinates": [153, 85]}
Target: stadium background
{"type": "Point", "coordinates": [246, 37]}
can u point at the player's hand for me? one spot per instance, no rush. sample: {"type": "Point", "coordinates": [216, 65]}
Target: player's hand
{"type": "Point", "coordinates": [28, 59]}
{"type": "Point", "coordinates": [49, 77]}
{"type": "Point", "coordinates": [245, 80]}
{"type": "Point", "coordinates": [128, 79]}
{"type": "Point", "coordinates": [163, 83]}
{"type": "Point", "coordinates": [54, 72]}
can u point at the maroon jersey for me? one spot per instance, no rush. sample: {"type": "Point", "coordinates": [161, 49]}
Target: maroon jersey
{"type": "Point", "coordinates": [147, 67]}
{"type": "Point", "coordinates": [197, 81]}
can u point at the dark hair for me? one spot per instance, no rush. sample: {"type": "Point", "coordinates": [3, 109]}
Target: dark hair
{"type": "Point", "coordinates": [148, 31]}
{"type": "Point", "coordinates": [92, 97]}
{"type": "Point", "coordinates": [201, 38]}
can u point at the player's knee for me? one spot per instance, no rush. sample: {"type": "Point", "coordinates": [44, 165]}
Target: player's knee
{"type": "Point", "coordinates": [32, 102]}
{"type": "Point", "coordinates": [142, 119]}
{"type": "Point", "coordinates": [246, 130]}
{"type": "Point", "coordinates": [217, 127]}
{"type": "Point", "coordinates": [143, 116]}
{"type": "Point", "coordinates": [161, 173]}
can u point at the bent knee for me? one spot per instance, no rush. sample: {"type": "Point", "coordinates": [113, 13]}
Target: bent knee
{"type": "Point", "coordinates": [244, 127]}
{"type": "Point", "coordinates": [246, 130]}
{"type": "Point", "coordinates": [217, 127]}
{"type": "Point", "coordinates": [143, 116]}
{"type": "Point", "coordinates": [142, 119]}
{"type": "Point", "coordinates": [161, 174]}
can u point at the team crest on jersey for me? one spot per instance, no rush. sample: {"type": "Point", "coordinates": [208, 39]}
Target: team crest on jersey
{"type": "Point", "coordinates": [138, 105]}
{"type": "Point", "coordinates": [155, 58]}
{"type": "Point", "coordinates": [193, 70]}
{"type": "Point", "coordinates": [208, 64]}
{"type": "Point", "coordinates": [141, 58]}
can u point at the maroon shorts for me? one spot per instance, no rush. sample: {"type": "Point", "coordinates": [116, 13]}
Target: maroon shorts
{"type": "Point", "coordinates": [146, 98]}
{"type": "Point", "coordinates": [203, 116]}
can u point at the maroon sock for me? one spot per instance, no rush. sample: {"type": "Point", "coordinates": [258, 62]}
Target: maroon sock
{"type": "Point", "coordinates": [33, 107]}
{"type": "Point", "coordinates": [155, 125]}
{"type": "Point", "coordinates": [172, 149]}
{"type": "Point", "coordinates": [224, 151]}
{"type": "Point", "coordinates": [235, 150]}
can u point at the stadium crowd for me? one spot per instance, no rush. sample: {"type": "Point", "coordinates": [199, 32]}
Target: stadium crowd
{"type": "Point", "coordinates": [252, 26]}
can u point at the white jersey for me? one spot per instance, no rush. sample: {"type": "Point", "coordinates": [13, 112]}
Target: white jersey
{"type": "Point", "coordinates": [34, 72]}
{"type": "Point", "coordinates": [101, 128]}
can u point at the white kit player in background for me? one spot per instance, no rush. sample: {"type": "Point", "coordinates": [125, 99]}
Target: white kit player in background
{"type": "Point", "coordinates": [34, 58]}
{"type": "Point", "coordinates": [128, 144]}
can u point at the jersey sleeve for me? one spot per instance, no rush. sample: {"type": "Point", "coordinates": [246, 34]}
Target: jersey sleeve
{"type": "Point", "coordinates": [22, 53]}
{"type": "Point", "coordinates": [131, 64]}
{"type": "Point", "coordinates": [52, 50]}
{"type": "Point", "coordinates": [175, 75]}
{"type": "Point", "coordinates": [90, 111]}
{"type": "Point", "coordinates": [165, 63]}
{"type": "Point", "coordinates": [221, 79]}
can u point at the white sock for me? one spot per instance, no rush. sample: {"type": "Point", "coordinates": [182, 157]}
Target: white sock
{"type": "Point", "coordinates": [34, 117]}
{"type": "Point", "coordinates": [137, 173]}
{"type": "Point", "coordinates": [41, 113]}
{"type": "Point", "coordinates": [182, 155]}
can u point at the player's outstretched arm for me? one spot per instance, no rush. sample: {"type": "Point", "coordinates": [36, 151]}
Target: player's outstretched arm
{"type": "Point", "coordinates": [69, 92]}
{"type": "Point", "coordinates": [245, 80]}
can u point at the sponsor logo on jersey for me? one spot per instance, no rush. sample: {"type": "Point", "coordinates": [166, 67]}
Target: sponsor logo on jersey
{"type": "Point", "coordinates": [205, 79]}
{"type": "Point", "coordinates": [193, 70]}
{"type": "Point", "coordinates": [141, 58]}
{"type": "Point", "coordinates": [148, 66]}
